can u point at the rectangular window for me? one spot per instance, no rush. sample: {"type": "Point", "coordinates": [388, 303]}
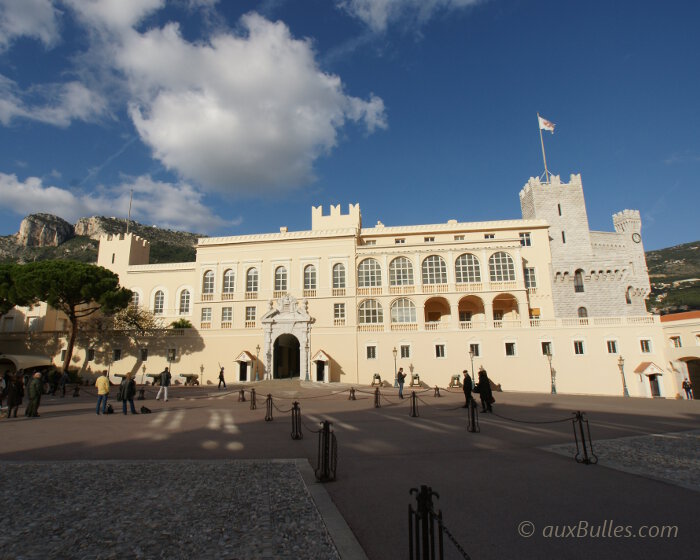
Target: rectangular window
{"type": "Point", "coordinates": [459, 238]}
{"type": "Point", "coordinates": [489, 235]}
{"type": "Point", "coordinates": [510, 348]}
{"type": "Point", "coordinates": [371, 352]}
{"type": "Point", "coordinates": [227, 314]}
{"type": "Point", "coordinates": [339, 311]}
{"type": "Point", "coordinates": [144, 354]}
{"type": "Point", "coordinates": [206, 314]}
{"type": "Point", "coordinates": [530, 280]}
{"type": "Point", "coordinates": [172, 354]}
{"type": "Point", "coordinates": [370, 242]}
{"type": "Point", "coordinates": [465, 316]}
{"type": "Point", "coordinates": [90, 355]}
{"type": "Point", "coordinates": [646, 345]}
{"type": "Point", "coordinates": [250, 313]}
{"type": "Point", "coordinates": [116, 354]}
{"type": "Point", "coordinates": [578, 346]}
{"type": "Point", "coordinates": [439, 350]}
{"type": "Point", "coordinates": [525, 239]}
{"type": "Point", "coordinates": [612, 346]}
{"type": "Point", "coordinates": [563, 237]}
{"type": "Point", "coordinates": [676, 340]}
{"type": "Point", "coordinates": [405, 351]}
{"type": "Point", "coordinates": [429, 239]}
{"type": "Point", "coordinates": [474, 349]}
{"type": "Point", "coordinates": [546, 348]}
{"type": "Point", "coordinates": [400, 241]}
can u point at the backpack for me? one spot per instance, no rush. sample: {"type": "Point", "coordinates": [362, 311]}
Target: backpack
{"type": "Point", "coordinates": [110, 410]}
{"type": "Point", "coordinates": [145, 410]}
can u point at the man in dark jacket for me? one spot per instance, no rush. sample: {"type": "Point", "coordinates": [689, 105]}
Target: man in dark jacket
{"type": "Point", "coordinates": [164, 384]}
{"type": "Point", "coordinates": [15, 394]}
{"type": "Point", "coordinates": [36, 388]}
{"type": "Point", "coordinates": [221, 378]}
{"type": "Point", "coordinates": [467, 388]}
{"type": "Point", "coordinates": [128, 391]}
{"type": "Point", "coordinates": [483, 387]}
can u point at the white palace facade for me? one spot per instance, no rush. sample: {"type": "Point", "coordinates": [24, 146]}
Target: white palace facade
{"type": "Point", "coordinates": [539, 302]}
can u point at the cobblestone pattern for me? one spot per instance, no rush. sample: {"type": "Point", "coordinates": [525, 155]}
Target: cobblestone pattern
{"type": "Point", "coordinates": [672, 457]}
{"type": "Point", "coordinates": [187, 509]}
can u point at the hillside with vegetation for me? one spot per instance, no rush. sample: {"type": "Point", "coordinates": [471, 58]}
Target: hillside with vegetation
{"type": "Point", "coordinates": [674, 274]}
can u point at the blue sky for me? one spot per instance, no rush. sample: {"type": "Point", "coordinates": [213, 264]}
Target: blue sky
{"type": "Point", "coordinates": [236, 117]}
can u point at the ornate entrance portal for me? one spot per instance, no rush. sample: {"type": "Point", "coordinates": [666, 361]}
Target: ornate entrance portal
{"type": "Point", "coordinates": [286, 329]}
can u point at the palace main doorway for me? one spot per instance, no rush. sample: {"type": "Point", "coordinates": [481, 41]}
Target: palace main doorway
{"type": "Point", "coordinates": [286, 357]}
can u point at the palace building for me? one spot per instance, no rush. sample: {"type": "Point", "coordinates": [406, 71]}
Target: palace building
{"type": "Point", "coordinates": [542, 303]}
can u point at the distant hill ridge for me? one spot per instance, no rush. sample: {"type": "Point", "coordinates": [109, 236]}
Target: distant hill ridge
{"type": "Point", "coordinates": [45, 236]}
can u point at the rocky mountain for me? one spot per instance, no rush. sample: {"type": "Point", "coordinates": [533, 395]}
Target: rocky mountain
{"type": "Point", "coordinates": [44, 236]}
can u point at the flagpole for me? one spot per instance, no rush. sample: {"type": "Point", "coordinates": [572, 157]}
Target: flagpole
{"type": "Point", "coordinates": [131, 197]}
{"type": "Point", "coordinates": [544, 157]}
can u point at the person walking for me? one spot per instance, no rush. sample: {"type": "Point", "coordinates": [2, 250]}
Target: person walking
{"type": "Point", "coordinates": [400, 376]}
{"type": "Point", "coordinates": [127, 388]}
{"type": "Point", "coordinates": [36, 389]}
{"type": "Point", "coordinates": [102, 385]}
{"type": "Point", "coordinates": [483, 387]}
{"type": "Point", "coordinates": [688, 388]}
{"type": "Point", "coordinates": [65, 378]}
{"type": "Point", "coordinates": [467, 386]}
{"type": "Point", "coordinates": [15, 394]}
{"type": "Point", "coordinates": [164, 384]}
{"type": "Point", "coordinates": [221, 378]}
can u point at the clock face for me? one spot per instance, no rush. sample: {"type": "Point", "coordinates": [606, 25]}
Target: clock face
{"type": "Point", "coordinates": [636, 237]}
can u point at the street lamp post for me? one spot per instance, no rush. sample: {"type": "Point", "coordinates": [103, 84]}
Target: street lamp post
{"type": "Point", "coordinates": [257, 353]}
{"type": "Point", "coordinates": [396, 379]}
{"type": "Point", "coordinates": [621, 365]}
{"type": "Point", "coordinates": [552, 377]}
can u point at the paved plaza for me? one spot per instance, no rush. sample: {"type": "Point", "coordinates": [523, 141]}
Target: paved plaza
{"type": "Point", "coordinates": [205, 476]}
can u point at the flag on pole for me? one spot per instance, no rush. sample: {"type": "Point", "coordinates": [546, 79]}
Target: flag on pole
{"type": "Point", "coordinates": [546, 125]}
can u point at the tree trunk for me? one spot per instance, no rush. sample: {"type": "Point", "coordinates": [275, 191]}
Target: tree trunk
{"type": "Point", "coordinates": [71, 340]}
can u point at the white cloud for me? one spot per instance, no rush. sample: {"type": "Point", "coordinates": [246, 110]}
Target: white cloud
{"type": "Point", "coordinates": [114, 15]}
{"type": "Point", "coordinates": [184, 209]}
{"type": "Point", "coordinates": [378, 14]}
{"type": "Point", "coordinates": [56, 104]}
{"type": "Point", "coordinates": [28, 18]}
{"type": "Point", "coordinates": [242, 111]}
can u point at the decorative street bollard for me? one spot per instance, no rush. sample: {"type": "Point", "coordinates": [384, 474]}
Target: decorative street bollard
{"type": "Point", "coordinates": [377, 404]}
{"type": "Point", "coordinates": [473, 417]}
{"type": "Point", "coordinates": [584, 453]}
{"type": "Point", "coordinates": [253, 404]}
{"type": "Point", "coordinates": [414, 407]}
{"type": "Point", "coordinates": [327, 454]}
{"type": "Point", "coordinates": [352, 394]}
{"type": "Point", "coordinates": [296, 421]}
{"type": "Point", "coordinates": [268, 411]}
{"type": "Point", "coordinates": [421, 525]}
{"type": "Point", "coordinates": [241, 395]}
{"type": "Point", "coordinates": [437, 391]}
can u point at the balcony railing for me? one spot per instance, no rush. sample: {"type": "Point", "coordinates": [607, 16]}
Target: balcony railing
{"type": "Point", "coordinates": [371, 328]}
{"type": "Point", "coordinates": [376, 291]}
{"type": "Point", "coordinates": [226, 325]}
{"type": "Point", "coordinates": [339, 322]}
{"type": "Point", "coordinates": [309, 293]}
{"type": "Point", "coordinates": [436, 325]}
{"type": "Point", "coordinates": [227, 296]}
{"type": "Point", "coordinates": [469, 287]}
{"type": "Point", "coordinates": [251, 295]}
{"type": "Point", "coordinates": [279, 293]}
{"type": "Point", "coordinates": [206, 325]}
{"type": "Point", "coordinates": [250, 324]}
{"type": "Point", "coordinates": [400, 290]}
{"type": "Point", "coordinates": [435, 288]}
{"type": "Point", "coordinates": [338, 292]}
{"type": "Point", "coordinates": [207, 297]}
{"type": "Point", "coordinates": [404, 327]}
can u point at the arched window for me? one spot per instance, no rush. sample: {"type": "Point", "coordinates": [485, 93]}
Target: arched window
{"type": "Point", "coordinates": [628, 295]}
{"type": "Point", "coordinates": [582, 312]}
{"type": "Point", "coordinates": [251, 280]}
{"type": "Point", "coordinates": [310, 277]}
{"type": "Point", "coordinates": [578, 281]}
{"type": "Point", "coordinates": [403, 310]}
{"type": "Point", "coordinates": [280, 279]}
{"type": "Point", "coordinates": [467, 269]}
{"type": "Point", "coordinates": [229, 281]}
{"type": "Point", "coordinates": [434, 270]}
{"type": "Point", "coordinates": [158, 303]}
{"type": "Point", "coordinates": [369, 274]}
{"type": "Point", "coordinates": [338, 276]}
{"type": "Point", "coordinates": [370, 312]}
{"type": "Point", "coordinates": [208, 282]}
{"type": "Point", "coordinates": [135, 300]}
{"type": "Point", "coordinates": [501, 268]}
{"type": "Point", "coordinates": [184, 302]}
{"type": "Point", "coordinates": [400, 272]}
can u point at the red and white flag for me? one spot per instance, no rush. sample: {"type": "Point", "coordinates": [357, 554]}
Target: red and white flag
{"type": "Point", "coordinates": [546, 125]}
